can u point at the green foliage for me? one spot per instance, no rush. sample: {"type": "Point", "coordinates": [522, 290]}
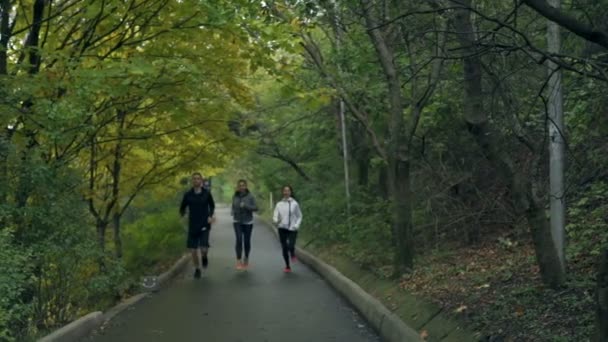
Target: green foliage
{"type": "Point", "coordinates": [155, 238]}
{"type": "Point", "coordinates": [370, 232]}
{"type": "Point", "coordinates": [180, 71]}
{"type": "Point", "coordinates": [47, 287]}
{"type": "Point", "coordinates": [328, 224]}
{"type": "Point", "coordinates": [126, 98]}
{"type": "Point", "coordinates": [73, 284]}
{"type": "Point", "coordinates": [15, 280]}
{"type": "Point", "coordinates": [587, 229]}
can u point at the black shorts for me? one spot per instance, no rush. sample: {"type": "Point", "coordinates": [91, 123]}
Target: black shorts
{"type": "Point", "coordinates": [198, 238]}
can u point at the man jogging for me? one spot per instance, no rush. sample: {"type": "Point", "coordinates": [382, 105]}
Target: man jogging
{"type": "Point", "coordinates": [201, 207]}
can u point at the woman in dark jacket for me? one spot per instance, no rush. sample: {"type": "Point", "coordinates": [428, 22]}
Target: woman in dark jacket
{"type": "Point", "coordinates": [243, 206]}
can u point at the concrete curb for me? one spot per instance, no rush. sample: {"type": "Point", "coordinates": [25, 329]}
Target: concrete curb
{"type": "Point", "coordinates": [176, 269]}
{"type": "Point", "coordinates": [76, 330]}
{"type": "Point", "coordinates": [84, 326]}
{"type": "Point", "coordinates": [127, 303]}
{"type": "Point", "coordinates": [390, 327]}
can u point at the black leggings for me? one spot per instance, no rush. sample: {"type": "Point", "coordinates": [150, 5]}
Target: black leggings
{"type": "Point", "coordinates": [243, 238]}
{"type": "Point", "coordinates": [288, 243]}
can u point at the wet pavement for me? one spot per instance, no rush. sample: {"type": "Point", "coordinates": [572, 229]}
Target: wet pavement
{"type": "Point", "coordinates": [262, 304]}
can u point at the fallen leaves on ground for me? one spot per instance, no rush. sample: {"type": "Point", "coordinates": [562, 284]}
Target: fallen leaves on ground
{"type": "Point", "coordinates": [498, 292]}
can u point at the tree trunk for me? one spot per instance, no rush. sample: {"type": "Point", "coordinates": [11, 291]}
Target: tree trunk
{"type": "Point", "coordinates": [24, 184]}
{"type": "Point", "coordinates": [546, 255]}
{"type": "Point", "coordinates": [116, 175]}
{"type": "Point", "coordinates": [117, 239]}
{"type": "Point", "coordinates": [4, 152]}
{"type": "Point", "coordinates": [401, 194]}
{"type": "Point", "coordinates": [33, 50]}
{"type": "Point", "coordinates": [488, 139]}
{"type": "Point", "coordinates": [556, 143]}
{"type": "Point", "coordinates": [363, 170]}
{"type": "Point", "coordinates": [101, 226]}
{"type": "Point", "coordinates": [34, 37]}
{"type": "Point", "coordinates": [398, 174]}
{"type": "Point", "coordinates": [361, 154]}
{"type": "Point", "coordinates": [5, 34]}
{"type": "Point", "coordinates": [101, 233]}
{"type": "Point", "coordinates": [383, 182]}
{"type": "Point", "coordinates": [601, 318]}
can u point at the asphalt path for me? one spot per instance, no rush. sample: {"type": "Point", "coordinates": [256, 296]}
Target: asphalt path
{"type": "Point", "coordinates": [226, 305]}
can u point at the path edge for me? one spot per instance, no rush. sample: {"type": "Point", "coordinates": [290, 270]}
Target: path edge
{"type": "Point", "coordinates": [390, 327]}
{"type": "Point", "coordinates": [85, 325]}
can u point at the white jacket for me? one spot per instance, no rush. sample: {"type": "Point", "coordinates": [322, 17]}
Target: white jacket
{"type": "Point", "coordinates": [287, 214]}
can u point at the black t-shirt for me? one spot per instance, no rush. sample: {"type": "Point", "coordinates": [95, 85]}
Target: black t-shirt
{"type": "Point", "coordinates": [200, 207]}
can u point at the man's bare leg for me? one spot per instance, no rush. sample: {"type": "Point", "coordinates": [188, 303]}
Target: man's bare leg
{"type": "Point", "coordinates": [204, 256]}
{"type": "Point", "coordinates": [195, 263]}
{"type": "Point", "coordinates": [195, 259]}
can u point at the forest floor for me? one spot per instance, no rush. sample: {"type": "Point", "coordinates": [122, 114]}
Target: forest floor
{"type": "Point", "coordinates": [496, 288]}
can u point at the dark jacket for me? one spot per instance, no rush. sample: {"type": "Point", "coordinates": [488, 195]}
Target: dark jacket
{"type": "Point", "coordinates": [200, 207]}
{"type": "Point", "coordinates": [244, 214]}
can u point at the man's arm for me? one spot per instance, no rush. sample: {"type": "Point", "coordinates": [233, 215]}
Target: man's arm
{"type": "Point", "coordinates": [182, 207]}
{"type": "Point", "coordinates": [211, 205]}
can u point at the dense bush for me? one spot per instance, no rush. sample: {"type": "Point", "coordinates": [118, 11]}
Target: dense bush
{"type": "Point", "coordinates": [52, 270]}
{"type": "Point", "coordinates": [152, 239]}
{"type": "Point", "coordinates": [370, 232]}
{"type": "Point", "coordinates": [14, 282]}
{"type": "Point", "coordinates": [587, 232]}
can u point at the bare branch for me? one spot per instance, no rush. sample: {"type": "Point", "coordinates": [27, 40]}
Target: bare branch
{"type": "Point", "coordinates": [570, 23]}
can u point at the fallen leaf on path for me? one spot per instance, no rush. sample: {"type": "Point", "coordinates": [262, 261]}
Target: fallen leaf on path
{"type": "Point", "coordinates": [424, 334]}
{"type": "Point", "coordinates": [461, 309]}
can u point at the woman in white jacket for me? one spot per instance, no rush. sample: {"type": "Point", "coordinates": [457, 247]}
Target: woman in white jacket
{"type": "Point", "coordinates": [288, 217]}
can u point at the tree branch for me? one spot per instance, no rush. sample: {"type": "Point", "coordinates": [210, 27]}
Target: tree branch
{"type": "Point", "coordinates": [570, 23]}
{"type": "Point", "coordinates": [278, 155]}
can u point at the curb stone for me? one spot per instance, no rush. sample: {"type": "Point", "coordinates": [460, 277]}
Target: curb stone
{"type": "Point", "coordinates": [76, 330]}
{"type": "Point", "coordinates": [113, 312]}
{"type": "Point", "coordinates": [84, 326]}
{"type": "Point", "coordinates": [176, 269]}
{"type": "Point", "coordinates": [390, 327]}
